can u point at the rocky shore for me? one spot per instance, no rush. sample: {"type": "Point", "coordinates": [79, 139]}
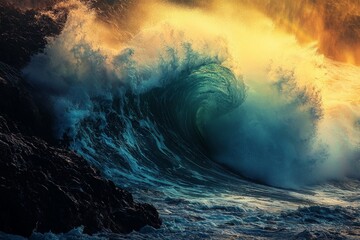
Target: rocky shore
{"type": "Point", "coordinates": [43, 186]}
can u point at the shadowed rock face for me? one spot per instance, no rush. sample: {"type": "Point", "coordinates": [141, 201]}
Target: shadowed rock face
{"type": "Point", "coordinates": [32, 3]}
{"type": "Point", "coordinates": [44, 187]}
{"type": "Point", "coordinates": [18, 106]}
{"type": "Point", "coordinates": [25, 32]}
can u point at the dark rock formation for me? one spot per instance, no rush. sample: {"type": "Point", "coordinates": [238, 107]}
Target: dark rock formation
{"type": "Point", "coordinates": [25, 32]}
{"type": "Point", "coordinates": [17, 105]}
{"type": "Point", "coordinates": [44, 187]}
{"type": "Point", "coordinates": [29, 4]}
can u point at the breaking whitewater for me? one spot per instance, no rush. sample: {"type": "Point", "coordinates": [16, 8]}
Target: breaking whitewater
{"type": "Point", "coordinates": [227, 138]}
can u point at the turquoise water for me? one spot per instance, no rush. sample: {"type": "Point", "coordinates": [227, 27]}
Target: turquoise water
{"type": "Point", "coordinates": [219, 153]}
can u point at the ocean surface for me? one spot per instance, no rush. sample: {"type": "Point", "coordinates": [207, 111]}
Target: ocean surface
{"type": "Point", "coordinates": [235, 132]}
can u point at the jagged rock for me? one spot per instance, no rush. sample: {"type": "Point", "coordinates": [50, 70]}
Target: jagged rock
{"type": "Point", "coordinates": [25, 32]}
{"type": "Point", "coordinates": [17, 104]}
{"type": "Point", "coordinates": [29, 4]}
{"type": "Point", "coordinates": [46, 188]}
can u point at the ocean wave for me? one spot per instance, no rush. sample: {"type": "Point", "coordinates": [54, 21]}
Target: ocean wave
{"type": "Point", "coordinates": [181, 113]}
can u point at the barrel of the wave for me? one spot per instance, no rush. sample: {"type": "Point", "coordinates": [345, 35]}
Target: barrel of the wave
{"type": "Point", "coordinates": [188, 104]}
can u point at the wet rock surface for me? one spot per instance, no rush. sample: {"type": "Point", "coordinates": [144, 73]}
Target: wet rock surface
{"type": "Point", "coordinates": [44, 187]}
{"type": "Point", "coordinates": [26, 32]}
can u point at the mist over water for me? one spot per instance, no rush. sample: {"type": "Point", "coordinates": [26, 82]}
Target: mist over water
{"type": "Point", "coordinates": [199, 115]}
